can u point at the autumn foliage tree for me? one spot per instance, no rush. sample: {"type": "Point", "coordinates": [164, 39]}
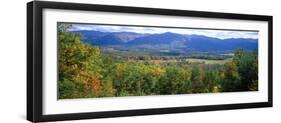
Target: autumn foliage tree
{"type": "Point", "coordinates": [79, 67]}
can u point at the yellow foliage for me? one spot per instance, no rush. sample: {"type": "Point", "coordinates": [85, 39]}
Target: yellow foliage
{"type": "Point", "coordinates": [215, 89]}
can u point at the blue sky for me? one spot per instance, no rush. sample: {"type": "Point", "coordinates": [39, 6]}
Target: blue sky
{"type": "Point", "coordinates": [222, 34]}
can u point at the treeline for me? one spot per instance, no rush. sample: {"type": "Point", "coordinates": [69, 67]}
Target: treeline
{"type": "Point", "coordinates": [197, 56]}
{"type": "Point", "coordinates": [155, 56]}
{"type": "Point", "coordinates": [84, 72]}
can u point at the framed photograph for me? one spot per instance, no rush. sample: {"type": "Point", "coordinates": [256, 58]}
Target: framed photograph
{"type": "Point", "coordinates": [95, 61]}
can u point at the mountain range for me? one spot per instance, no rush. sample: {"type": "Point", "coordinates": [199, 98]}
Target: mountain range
{"type": "Point", "coordinates": [166, 41]}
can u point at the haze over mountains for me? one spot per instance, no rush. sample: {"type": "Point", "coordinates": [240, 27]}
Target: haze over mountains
{"type": "Point", "coordinates": [167, 42]}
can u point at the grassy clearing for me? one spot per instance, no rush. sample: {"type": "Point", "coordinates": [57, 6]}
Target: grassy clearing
{"type": "Point", "coordinates": [206, 61]}
{"type": "Point", "coordinates": [189, 60]}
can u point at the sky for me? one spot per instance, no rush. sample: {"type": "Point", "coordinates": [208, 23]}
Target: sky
{"type": "Point", "coordinates": [222, 34]}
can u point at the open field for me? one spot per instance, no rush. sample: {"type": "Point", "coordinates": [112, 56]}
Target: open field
{"type": "Point", "coordinates": [188, 61]}
{"type": "Point", "coordinates": [206, 61]}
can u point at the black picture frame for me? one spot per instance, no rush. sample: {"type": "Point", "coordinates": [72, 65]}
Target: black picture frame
{"type": "Point", "coordinates": [35, 69]}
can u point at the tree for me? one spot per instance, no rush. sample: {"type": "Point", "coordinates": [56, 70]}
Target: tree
{"type": "Point", "coordinates": [247, 63]}
{"type": "Point", "coordinates": [212, 81]}
{"type": "Point", "coordinates": [196, 78]}
{"type": "Point", "coordinates": [232, 79]}
{"type": "Point", "coordinates": [175, 81]}
{"type": "Point", "coordinates": [79, 63]}
{"type": "Point", "coordinates": [107, 88]}
{"type": "Point", "coordinates": [66, 89]}
{"type": "Point", "coordinates": [63, 27]}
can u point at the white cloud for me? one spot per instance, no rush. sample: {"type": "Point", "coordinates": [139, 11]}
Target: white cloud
{"type": "Point", "coordinates": [222, 34]}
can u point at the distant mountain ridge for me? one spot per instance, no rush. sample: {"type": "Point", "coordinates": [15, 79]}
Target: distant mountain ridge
{"type": "Point", "coordinates": [166, 41]}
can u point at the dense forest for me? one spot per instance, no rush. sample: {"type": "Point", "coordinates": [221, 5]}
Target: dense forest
{"type": "Point", "coordinates": [86, 72]}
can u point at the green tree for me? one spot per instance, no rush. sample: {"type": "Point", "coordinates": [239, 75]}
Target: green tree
{"type": "Point", "coordinates": [232, 79]}
{"type": "Point", "coordinates": [212, 81]}
{"type": "Point", "coordinates": [247, 63]}
{"type": "Point", "coordinates": [197, 80]}
{"type": "Point", "coordinates": [175, 81]}
{"type": "Point", "coordinates": [107, 88]}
